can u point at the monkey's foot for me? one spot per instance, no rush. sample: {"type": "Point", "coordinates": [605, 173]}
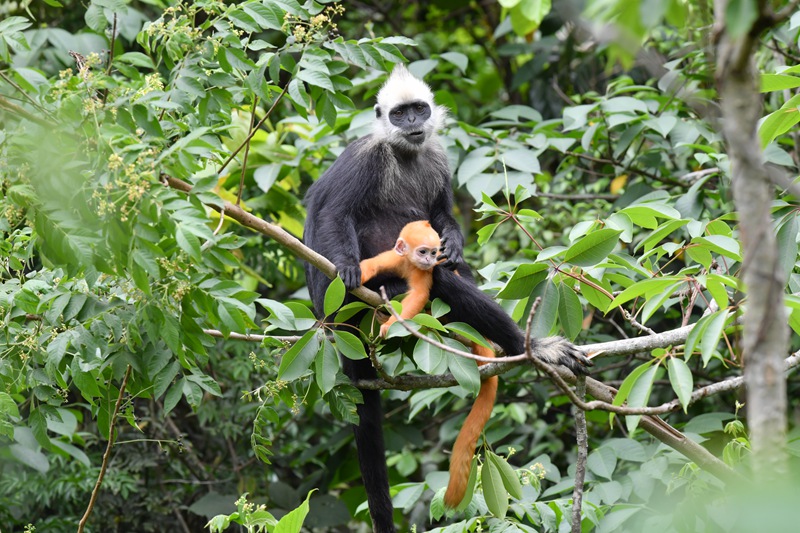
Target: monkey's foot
{"type": "Point", "coordinates": [559, 351]}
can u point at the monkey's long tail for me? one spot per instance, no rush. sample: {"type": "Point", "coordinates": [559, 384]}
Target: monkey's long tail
{"type": "Point", "coordinates": [464, 448]}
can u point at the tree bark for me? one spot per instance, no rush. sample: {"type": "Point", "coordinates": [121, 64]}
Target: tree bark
{"type": "Point", "coordinates": [765, 337]}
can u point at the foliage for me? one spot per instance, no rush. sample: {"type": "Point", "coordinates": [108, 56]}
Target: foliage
{"type": "Point", "coordinates": [611, 205]}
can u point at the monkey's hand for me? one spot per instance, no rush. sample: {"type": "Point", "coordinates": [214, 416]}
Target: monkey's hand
{"type": "Point", "coordinates": [450, 256]}
{"type": "Point", "coordinates": [351, 275]}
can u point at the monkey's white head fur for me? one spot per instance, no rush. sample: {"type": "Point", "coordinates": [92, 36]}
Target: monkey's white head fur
{"type": "Point", "coordinates": [402, 87]}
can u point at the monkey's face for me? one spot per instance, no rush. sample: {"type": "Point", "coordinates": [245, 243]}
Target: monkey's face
{"type": "Point", "coordinates": [424, 257]}
{"type": "Point", "coordinates": [412, 120]}
{"type": "Point", "coordinates": [407, 124]}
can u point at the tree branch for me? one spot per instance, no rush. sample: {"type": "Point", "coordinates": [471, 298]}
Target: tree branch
{"type": "Point", "coordinates": [107, 453]}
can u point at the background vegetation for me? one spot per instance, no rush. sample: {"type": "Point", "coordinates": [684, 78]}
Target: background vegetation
{"type": "Point", "coordinates": [590, 172]}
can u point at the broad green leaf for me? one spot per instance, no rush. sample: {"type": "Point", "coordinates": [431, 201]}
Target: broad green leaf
{"type": "Point", "coordinates": [593, 248]}
{"type": "Point", "coordinates": [570, 312]}
{"type": "Point", "coordinates": [627, 385]}
{"type": "Point", "coordinates": [712, 334]}
{"type": "Point", "coordinates": [299, 357]}
{"type": "Point", "coordinates": [439, 308]}
{"type": "Point", "coordinates": [680, 377]}
{"type": "Point", "coordinates": [424, 319]}
{"type": "Point", "coordinates": [326, 366]}
{"type": "Point", "coordinates": [188, 242]}
{"type": "Point", "coordinates": [787, 244]}
{"type": "Point", "coordinates": [780, 121]}
{"type": "Point", "coordinates": [470, 492]}
{"type": "Point", "coordinates": [494, 492]}
{"type": "Point", "coordinates": [467, 331]}
{"type": "Point", "coordinates": [778, 82]}
{"type": "Point", "coordinates": [661, 232]}
{"type": "Point", "coordinates": [523, 281]}
{"type": "Point", "coordinates": [645, 287]}
{"type": "Point", "coordinates": [349, 345]}
{"type": "Point", "coordinates": [465, 371]}
{"type": "Point", "coordinates": [545, 317]}
{"type": "Point", "coordinates": [655, 301]}
{"type": "Point", "coordinates": [524, 160]}
{"type": "Point", "coordinates": [334, 296]}
{"type": "Point", "coordinates": [457, 59]}
{"type": "Point", "coordinates": [507, 474]}
{"type": "Point", "coordinates": [429, 358]}
{"type": "Point", "coordinates": [293, 521]}
{"type": "Point", "coordinates": [640, 394]}
{"type": "Point", "coordinates": [727, 246]}
{"type": "Point", "coordinates": [602, 462]}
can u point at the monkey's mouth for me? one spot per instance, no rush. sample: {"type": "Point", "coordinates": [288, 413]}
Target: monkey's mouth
{"type": "Point", "coordinates": [416, 137]}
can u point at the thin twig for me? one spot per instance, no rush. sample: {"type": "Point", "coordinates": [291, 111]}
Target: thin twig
{"type": "Point", "coordinates": [254, 130]}
{"type": "Point", "coordinates": [246, 151]}
{"type": "Point", "coordinates": [107, 454]}
{"type": "Point", "coordinates": [27, 97]}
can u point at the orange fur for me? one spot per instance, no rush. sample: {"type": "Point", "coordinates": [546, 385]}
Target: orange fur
{"type": "Point", "coordinates": [401, 262]}
{"type": "Point", "coordinates": [464, 448]}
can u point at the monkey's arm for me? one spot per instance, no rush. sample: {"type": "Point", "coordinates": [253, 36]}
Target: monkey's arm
{"type": "Point", "coordinates": [448, 229]}
{"type": "Point", "coordinates": [419, 288]}
{"type": "Point", "coordinates": [387, 261]}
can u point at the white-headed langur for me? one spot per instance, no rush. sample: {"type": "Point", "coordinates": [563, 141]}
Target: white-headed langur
{"type": "Point", "coordinates": [356, 210]}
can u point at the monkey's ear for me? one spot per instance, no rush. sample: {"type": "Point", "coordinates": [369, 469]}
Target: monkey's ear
{"type": "Point", "coordinates": [401, 247]}
{"type": "Point", "coordinates": [377, 111]}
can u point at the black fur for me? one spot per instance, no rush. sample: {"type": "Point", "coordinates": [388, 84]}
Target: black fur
{"type": "Point", "coordinates": [355, 211]}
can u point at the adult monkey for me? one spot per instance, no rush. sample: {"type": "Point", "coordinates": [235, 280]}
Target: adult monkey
{"type": "Point", "coordinates": [356, 209]}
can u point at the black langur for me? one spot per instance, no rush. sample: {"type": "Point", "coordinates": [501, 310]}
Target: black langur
{"type": "Point", "coordinates": [398, 174]}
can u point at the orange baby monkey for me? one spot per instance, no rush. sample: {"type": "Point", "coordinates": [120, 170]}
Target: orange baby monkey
{"type": "Point", "coordinates": [413, 258]}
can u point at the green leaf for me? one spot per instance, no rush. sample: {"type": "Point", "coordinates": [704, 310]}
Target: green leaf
{"type": "Point", "coordinates": [507, 474]}
{"type": "Point", "coordinates": [680, 377]}
{"type": "Point", "coordinates": [424, 319]}
{"type": "Point", "coordinates": [712, 334]}
{"type": "Point", "coordinates": [727, 246]}
{"type": "Point", "coordinates": [778, 82]}
{"type": "Point", "coordinates": [640, 394]}
{"type": "Point", "coordinates": [293, 521]}
{"type": "Point", "coordinates": [188, 242]}
{"type": "Point", "coordinates": [470, 492]}
{"type": "Point", "coordinates": [659, 233]}
{"type": "Point", "coordinates": [173, 396]}
{"type": "Point", "coordinates": [780, 121]}
{"type": "Point", "coordinates": [429, 358]}
{"type": "Point", "coordinates": [602, 462]}
{"type": "Point", "coordinates": [523, 281]}
{"type": "Point", "coordinates": [457, 59]}
{"type": "Point", "coordinates": [628, 383]}
{"type": "Point", "coordinates": [494, 491]}
{"type": "Point", "coordinates": [467, 331]}
{"type": "Point", "coordinates": [326, 366]}
{"type": "Point", "coordinates": [299, 357]}
{"type": "Point", "coordinates": [334, 296]}
{"type": "Point", "coordinates": [650, 286]}
{"type": "Point", "coordinates": [465, 371]}
{"type": "Point", "coordinates": [349, 345]}
{"type": "Point", "coordinates": [523, 160]}
{"type": "Point", "coordinates": [316, 79]}
{"type": "Point", "coordinates": [570, 312]}
{"type": "Point", "coordinates": [593, 248]}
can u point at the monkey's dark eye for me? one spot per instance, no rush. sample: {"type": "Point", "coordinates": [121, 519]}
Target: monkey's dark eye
{"type": "Point", "coordinates": [420, 108]}
{"type": "Point", "coordinates": [398, 113]}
